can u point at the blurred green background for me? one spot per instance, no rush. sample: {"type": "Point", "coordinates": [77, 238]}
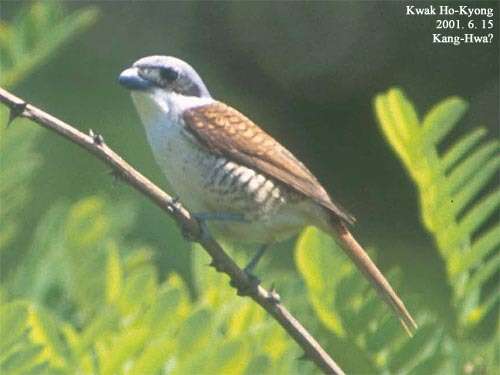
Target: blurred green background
{"type": "Point", "coordinates": [305, 71]}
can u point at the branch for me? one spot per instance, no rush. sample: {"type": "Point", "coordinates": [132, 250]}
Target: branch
{"type": "Point", "coordinates": [220, 260]}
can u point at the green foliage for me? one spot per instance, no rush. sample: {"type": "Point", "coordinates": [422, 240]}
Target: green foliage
{"type": "Point", "coordinates": [85, 302]}
{"type": "Point", "coordinates": [455, 206]}
{"type": "Point", "coordinates": [35, 34]}
{"type": "Point", "coordinates": [18, 162]}
{"type": "Point", "coordinates": [25, 43]}
{"type": "Point", "coordinates": [348, 307]}
{"type": "Point", "coordinates": [84, 298]}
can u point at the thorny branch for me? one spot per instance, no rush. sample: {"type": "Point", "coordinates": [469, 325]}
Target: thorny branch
{"type": "Point", "coordinates": [94, 143]}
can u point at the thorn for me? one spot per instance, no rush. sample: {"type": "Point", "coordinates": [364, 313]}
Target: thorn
{"type": "Point", "coordinates": [15, 111]}
{"type": "Point", "coordinates": [96, 137]}
{"type": "Point", "coordinates": [274, 297]}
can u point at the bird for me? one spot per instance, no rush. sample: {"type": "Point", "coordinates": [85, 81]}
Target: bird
{"type": "Point", "coordinates": [234, 176]}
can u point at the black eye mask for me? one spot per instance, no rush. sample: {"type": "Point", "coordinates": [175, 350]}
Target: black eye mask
{"type": "Point", "coordinates": [168, 74]}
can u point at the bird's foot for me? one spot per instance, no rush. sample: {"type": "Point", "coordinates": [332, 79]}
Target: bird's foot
{"type": "Point", "coordinates": [245, 291]}
{"type": "Point", "coordinates": [187, 233]}
{"type": "Point", "coordinates": [254, 280]}
{"type": "Point", "coordinates": [204, 234]}
{"type": "Point", "coordinates": [248, 289]}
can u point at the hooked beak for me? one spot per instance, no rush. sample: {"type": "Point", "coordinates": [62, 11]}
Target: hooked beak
{"type": "Point", "coordinates": [131, 80]}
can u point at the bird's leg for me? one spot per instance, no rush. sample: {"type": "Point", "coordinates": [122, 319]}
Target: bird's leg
{"type": "Point", "coordinates": [204, 217]}
{"type": "Point", "coordinates": [253, 262]}
{"type": "Point", "coordinates": [254, 280]}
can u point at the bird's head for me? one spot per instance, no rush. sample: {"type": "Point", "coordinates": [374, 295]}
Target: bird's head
{"type": "Point", "coordinates": [166, 74]}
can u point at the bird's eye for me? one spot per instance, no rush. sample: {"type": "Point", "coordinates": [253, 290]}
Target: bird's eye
{"type": "Point", "coordinates": [168, 74]}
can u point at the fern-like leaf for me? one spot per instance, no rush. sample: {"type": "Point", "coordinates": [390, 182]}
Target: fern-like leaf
{"type": "Point", "coordinates": [450, 184]}
{"type": "Point", "coordinates": [35, 34]}
{"type": "Point", "coordinates": [353, 312]}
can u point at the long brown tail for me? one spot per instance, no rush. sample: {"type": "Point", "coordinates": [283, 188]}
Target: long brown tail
{"type": "Point", "coordinates": [358, 255]}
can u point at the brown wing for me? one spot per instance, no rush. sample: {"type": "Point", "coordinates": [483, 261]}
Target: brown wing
{"type": "Point", "coordinates": [227, 132]}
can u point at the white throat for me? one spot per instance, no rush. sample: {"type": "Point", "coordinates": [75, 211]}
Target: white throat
{"type": "Point", "coordinates": [162, 108]}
